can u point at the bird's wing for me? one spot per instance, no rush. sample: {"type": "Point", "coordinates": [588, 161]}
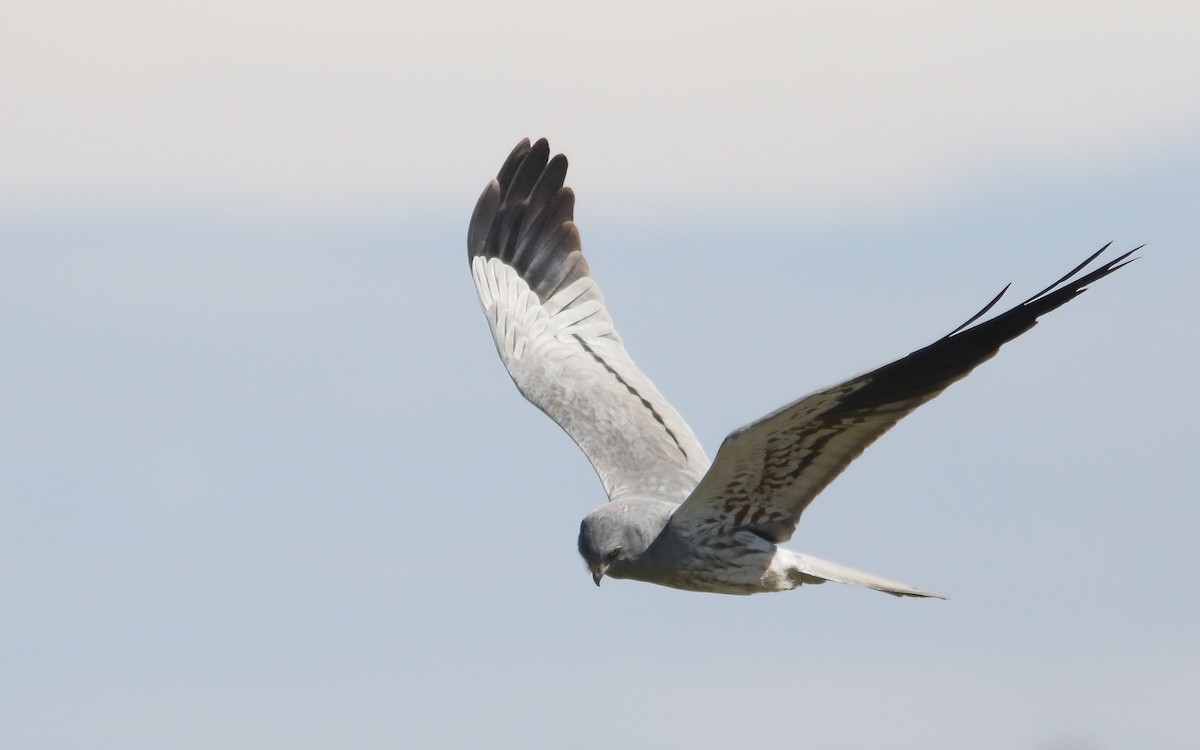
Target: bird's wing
{"type": "Point", "coordinates": [556, 337]}
{"type": "Point", "coordinates": [766, 474]}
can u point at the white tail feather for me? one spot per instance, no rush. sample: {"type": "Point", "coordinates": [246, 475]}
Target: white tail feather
{"type": "Point", "coordinates": [805, 569]}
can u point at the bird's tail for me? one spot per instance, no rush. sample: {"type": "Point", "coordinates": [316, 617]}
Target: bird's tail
{"type": "Point", "coordinates": [806, 569]}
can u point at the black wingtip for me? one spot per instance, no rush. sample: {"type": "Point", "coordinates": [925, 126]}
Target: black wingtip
{"type": "Point", "coordinates": [1057, 294]}
{"type": "Point", "coordinates": [525, 218]}
{"type": "Point", "coordinates": [1075, 270]}
{"type": "Point", "coordinates": [1067, 287]}
{"type": "Point", "coordinates": [982, 312]}
{"type": "Point", "coordinates": [927, 371]}
{"type": "Point", "coordinates": [511, 164]}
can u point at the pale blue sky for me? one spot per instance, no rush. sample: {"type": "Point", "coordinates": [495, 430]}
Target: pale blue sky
{"type": "Point", "coordinates": [266, 484]}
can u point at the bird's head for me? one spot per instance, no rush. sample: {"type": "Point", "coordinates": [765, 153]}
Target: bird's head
{"type": "Point", "coordinates": [616, 534]}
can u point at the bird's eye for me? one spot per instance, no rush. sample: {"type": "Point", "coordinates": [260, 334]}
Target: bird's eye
{"type": "Point", "coordinates": [614, 553]}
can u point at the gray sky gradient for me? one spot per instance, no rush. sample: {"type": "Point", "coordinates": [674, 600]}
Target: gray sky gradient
{"type": "Point", "coordinates": [266, 485]}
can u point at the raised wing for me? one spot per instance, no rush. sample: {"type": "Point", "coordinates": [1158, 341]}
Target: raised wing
{"type": "Point", "coordinates": [557, 340]}
{"type": "Point", "coordinates": [767, 473]}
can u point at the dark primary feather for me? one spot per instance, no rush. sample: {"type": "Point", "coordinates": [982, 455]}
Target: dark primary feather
{"type": "Point", "coordinates": [950, 358]}
{"type": "Point", "coordinates": [767, 473]}
{"type": "Point", "coordinates": [525, 217]}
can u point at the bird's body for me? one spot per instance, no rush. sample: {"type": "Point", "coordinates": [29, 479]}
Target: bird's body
{"type": "Point", "coordinates": [673, 518]}
{"type": "Point", "coordinates": [734, 562]}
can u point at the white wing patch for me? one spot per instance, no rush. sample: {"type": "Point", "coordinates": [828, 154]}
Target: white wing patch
{"type": "Point", "coordinates": [518, 318]}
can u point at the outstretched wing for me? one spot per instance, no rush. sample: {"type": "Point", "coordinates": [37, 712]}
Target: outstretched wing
{"type": "Point", "coordinates": [557, 340]}
{"type": "Point", "coordinates": [767, 473]}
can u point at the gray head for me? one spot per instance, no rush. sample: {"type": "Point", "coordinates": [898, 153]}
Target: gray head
{"type": "Point", "coordinates": [616, 534]}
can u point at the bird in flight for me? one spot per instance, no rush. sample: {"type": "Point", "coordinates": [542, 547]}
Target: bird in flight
{"type": "Point", "coordinates": [672, 517]}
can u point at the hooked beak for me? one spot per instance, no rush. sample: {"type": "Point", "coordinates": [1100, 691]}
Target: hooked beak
{"type": "Point", "coordinates": [598, 573]}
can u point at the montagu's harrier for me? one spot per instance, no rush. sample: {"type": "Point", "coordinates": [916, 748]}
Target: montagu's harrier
{"type": "Point", "coordinates": [673, 518]}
